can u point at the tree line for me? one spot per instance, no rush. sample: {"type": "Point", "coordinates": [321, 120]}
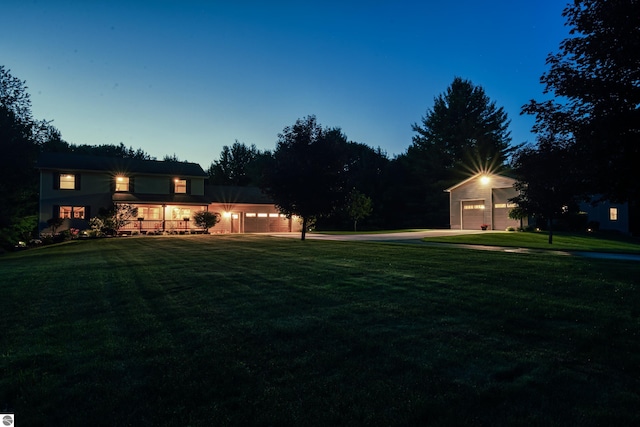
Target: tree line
{"type": "Point", "coordinates": [586, 144]}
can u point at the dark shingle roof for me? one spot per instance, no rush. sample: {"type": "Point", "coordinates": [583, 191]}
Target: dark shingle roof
{"type": "Point", "coordinates": [81, 162]}
{"type": "Point", "coordinates": [231, 194]}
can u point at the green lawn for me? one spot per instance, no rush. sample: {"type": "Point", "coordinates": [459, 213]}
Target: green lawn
{"type": "Point", "coordinates": [600, 242]}
{"type": "Point", "coordinates": [252, 330]}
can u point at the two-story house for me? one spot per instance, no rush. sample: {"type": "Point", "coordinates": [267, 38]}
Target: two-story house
{"type": "Point", "coordinates": [76, 187]}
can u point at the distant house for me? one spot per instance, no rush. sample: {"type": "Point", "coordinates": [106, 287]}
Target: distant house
{"type": "Point", "coordinates": [482, 201]}
{"type": "Point", "coordinates": [76, 188]}
{"type": "Point", "coordinates": [607, 216]}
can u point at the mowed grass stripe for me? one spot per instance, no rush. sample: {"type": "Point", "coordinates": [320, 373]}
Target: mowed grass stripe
{"type": "Point", "coordinates": [236, 330]}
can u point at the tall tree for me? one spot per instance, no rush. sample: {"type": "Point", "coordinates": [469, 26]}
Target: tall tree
{"type": "Point", "coordinates": [462, 134]}
{"type": "Point", "coordinates": [308, 171]}
{"type": "Point", "coordinates": [364, 171]}
{"type": "Point", "coordinates": [19, 145]}
{"type": "Point", "coordinates": [595, 78]}
{"type": "Point", "coordinates": [14, 96]}
{"type": "Point", "coordinates": [235, 165]}
{"type": "Point", "coordinates": [464, 129]}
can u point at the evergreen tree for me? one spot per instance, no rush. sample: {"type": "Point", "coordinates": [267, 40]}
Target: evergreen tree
{"type": "Point", "coordinates": [463, 131]}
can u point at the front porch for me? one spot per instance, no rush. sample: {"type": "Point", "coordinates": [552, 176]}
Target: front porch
{"type": "Point", "coordinates": [163, 219]}
{"type": "Point", "coordinates": [160, 227]}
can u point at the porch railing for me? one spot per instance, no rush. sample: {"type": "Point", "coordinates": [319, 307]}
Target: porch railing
{"type": "Point", "coordinates": [157, 226]}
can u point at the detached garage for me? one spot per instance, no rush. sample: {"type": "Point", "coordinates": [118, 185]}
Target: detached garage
{"type": "Point", "coordinates": [482, 200]}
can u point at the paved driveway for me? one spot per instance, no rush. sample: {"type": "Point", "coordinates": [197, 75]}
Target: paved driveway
{"type": "Point", "coordinates": [384, 237]}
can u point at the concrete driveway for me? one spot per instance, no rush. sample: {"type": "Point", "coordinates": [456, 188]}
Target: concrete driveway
{"type": "Point", "coordinates": [405, 236]}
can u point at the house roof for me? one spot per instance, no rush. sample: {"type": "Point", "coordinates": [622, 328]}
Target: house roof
{"type": "Point", "coordinates": [232, 194]}
{"type": "Point", "coordinates": [82, 162]}
{"type": "Point", "coordinates": [478, 175]}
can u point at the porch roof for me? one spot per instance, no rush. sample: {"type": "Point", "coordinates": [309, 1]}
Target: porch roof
{"type": "Point", "coordinates": [160, 199]}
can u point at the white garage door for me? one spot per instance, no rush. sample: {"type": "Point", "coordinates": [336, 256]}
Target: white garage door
{"type": "Point", "coordinates": [265, 223]}
{"type": "Point", "coordinates": [473, 214]}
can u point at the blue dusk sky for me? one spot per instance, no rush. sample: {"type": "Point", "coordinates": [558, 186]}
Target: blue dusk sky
{"type": "Point", "coordinates": [187, 77]}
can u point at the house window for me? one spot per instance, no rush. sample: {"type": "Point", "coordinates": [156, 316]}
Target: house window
{"type": "Point", "coordinates": [180, 213]}
{"type": "Point", "coordinates": [469, 207]}
{"type": "Point", "coordinates": [122, 183]}
{"type": "Point", "coordinates": [250, 215]}
{"type": "Point", "coordinates": [613, 214]}
{"type": "Point", "coordinates": [180, 186]}
{"type": "Point", "coordinates": [149, 213]}
{"type": "Point", "coordinates": [75, 212]}
{"type": "Point", "coordinates": [67, 182]}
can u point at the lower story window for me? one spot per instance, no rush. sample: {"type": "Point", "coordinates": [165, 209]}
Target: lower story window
{"type": "Point", "coordinates": [149, 213]}
{"type": "Point", "coordinates": [180, 213]}
{"type": "Point", "coordinates": [75, 212]}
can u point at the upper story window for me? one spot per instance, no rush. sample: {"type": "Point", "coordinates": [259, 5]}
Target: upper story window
{"type": "Point", "coordinates": [67, 181]}
{"type": "Point", "coordinates": [180, 186]}
{"type": "Point", "coordinates": [613, 214]}
{"type": "Point", "coordinates": [122, 183]}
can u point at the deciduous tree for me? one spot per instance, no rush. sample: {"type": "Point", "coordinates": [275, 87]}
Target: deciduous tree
{"type": "Point", "coordinates": [19, 189]}
{"type": "Point", "coordinates": [595, 80]}
{"type": "Point", "coordinates": [307, 174]}
{"type": "Point", "coordinates": [548, 186]}
{"type": "Point", "coordinates": [359, 206]}
{"type": "Point", "coordinates": [236, 165]}
{"type": "Point", "coordinates": [206, 219]}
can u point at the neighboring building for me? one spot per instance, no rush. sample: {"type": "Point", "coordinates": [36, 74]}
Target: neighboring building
{"type": "Point", "coordinates": [76, 188]}
{"type": "Point", "coordinates": [482, 200]}
{"type": "Point", "coordinates": [608, 216]}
